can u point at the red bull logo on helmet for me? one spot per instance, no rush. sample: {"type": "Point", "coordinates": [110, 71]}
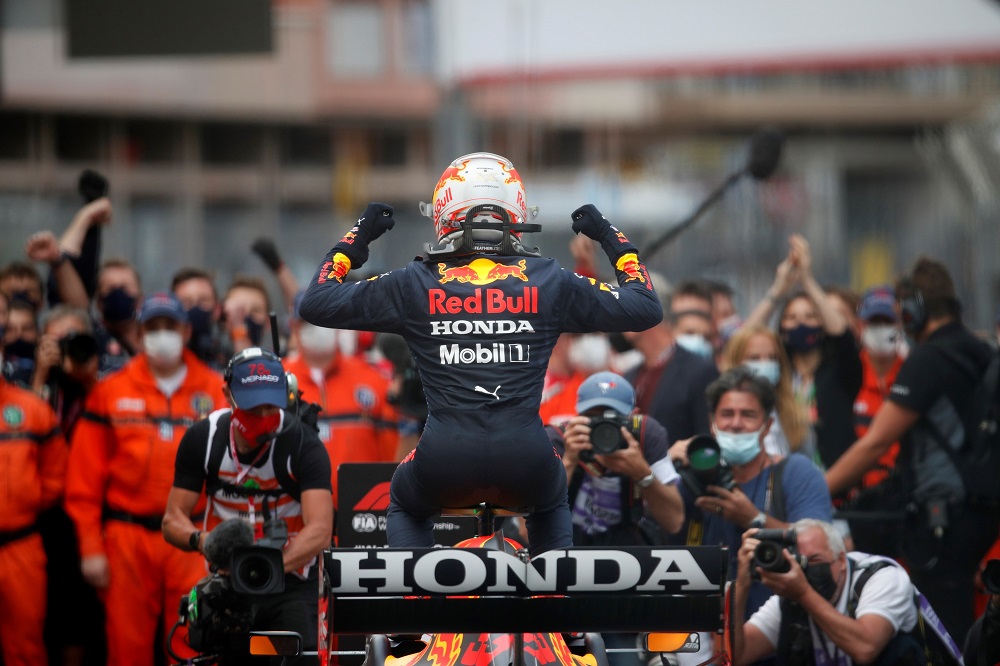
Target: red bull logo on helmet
{"type": "Point", "coordinates": [482, 271]}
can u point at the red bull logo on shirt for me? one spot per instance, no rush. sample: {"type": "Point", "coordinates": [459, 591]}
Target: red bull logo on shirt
{"type": "Point", "coordinates": [488, 301]}
{"type": "Point", "coordinates": [482, 271]}
{"type": "Point", "coordinates": [630, 265]}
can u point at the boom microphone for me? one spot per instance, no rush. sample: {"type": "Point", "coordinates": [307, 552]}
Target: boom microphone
{"type": "Point", "coordinates": [765, 152]}
{"type": "Point", "coordinates": [762, 159]}
{"type": "Point", "coordinates": [222, 542]}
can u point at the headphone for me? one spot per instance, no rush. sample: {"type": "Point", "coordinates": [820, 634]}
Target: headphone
{"type": "Point", "coordinates": [912, 309]}
{"type": "Point", "coordinates": [291, 381]}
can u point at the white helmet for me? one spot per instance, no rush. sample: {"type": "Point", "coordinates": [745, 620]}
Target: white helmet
{"type": "Point", "coordinates": [485, 185]}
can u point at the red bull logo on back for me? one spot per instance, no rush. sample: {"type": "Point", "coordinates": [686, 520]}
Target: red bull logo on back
{"type": "Point", "coordinates": [482, 271]}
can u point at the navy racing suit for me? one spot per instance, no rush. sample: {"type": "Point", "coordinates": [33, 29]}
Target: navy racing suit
{"type": "Point", "coordinates": [481, 328]}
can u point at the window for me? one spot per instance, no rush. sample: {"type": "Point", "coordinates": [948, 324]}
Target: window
{"type": "Point", "coordinates": [356, 45]}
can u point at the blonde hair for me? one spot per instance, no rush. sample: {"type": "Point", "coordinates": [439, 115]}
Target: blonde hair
{"type": "Point", "coordinates": [788, 412]}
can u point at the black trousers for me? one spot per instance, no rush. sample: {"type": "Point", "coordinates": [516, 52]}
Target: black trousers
{"type": "Point", "coordinates": [944, 569]}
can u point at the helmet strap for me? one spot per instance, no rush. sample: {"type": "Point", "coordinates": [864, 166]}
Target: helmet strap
{"type": "Point", "coordinates": [509, 244]}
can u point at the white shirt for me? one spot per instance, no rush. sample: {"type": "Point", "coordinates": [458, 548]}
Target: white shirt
{"type": "Point", "coordinates": [888, 593]}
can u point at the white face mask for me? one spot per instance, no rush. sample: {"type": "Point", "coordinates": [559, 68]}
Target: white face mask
{"type": "Point", "coordinates": [317, 340]}
{"type": "Point", "coordinates": [767, 369]}
{"type": "Point", "coordinates": [881, 339]}
{"type": "Point", "coordinates": [738, 448]}
{"type": "Point", "coordinates": [164, 346]}
{"type": "Point", "coordinates": [696, 344]}
{"type": "Point", "coordinates": [589, 353]}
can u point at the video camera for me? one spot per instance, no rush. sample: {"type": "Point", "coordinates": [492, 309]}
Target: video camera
{"type": "Point", "coordinates": [705, 467]}
{"type": "Point", "coordinates": [219, 611]}
{"type": "Point", "coordinates": [768, 553]}
{"type": "Point", "coordinates": [606, 436]}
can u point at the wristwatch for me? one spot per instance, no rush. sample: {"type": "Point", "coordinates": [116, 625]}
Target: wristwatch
{"type": "Point", "coordinates": [646, 481]}
{"type": "Point", "coordinates": [758, 520]}
{"type": "Point", "coordinates": [194, 540]}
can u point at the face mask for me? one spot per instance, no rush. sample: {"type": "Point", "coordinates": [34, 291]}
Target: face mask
{"type": "Point", "coordinates": [802, 338]}
{"type": "Point", "coordinates": [118, 306]}
{"type": "Point", "coordinates": [696, 344]}
{"type": "Point", "coordinates": [200, 320]}
{"type": "Point", "coordinates": [738, 448]}
{"type": "Point", "coordinates": [820, 578]}
{"type": "Point", "coordinates": [19, 348]}
{"type": "Point", "coordinates": [317, 340]}
{"type": "Point", "coordinates": [254, 427]}
{"type": "Point", "coordinates": [163, 346]}
{"type": "Point", "coordinates": [255, 331]}
{"type": "Point", "coordinates": [766, 369]}
{"type": "Point", "coordinates": [881, 340]}
{"type": "Point", "coordinates": [589, 353]}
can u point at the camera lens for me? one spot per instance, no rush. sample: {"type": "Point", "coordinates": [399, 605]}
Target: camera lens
{"type": "Point", "coordinates": [255, 573]}
{"type": "Point", "coordinates": [605, 437]}
{"type": "Point", "coordinates": [79, 347]}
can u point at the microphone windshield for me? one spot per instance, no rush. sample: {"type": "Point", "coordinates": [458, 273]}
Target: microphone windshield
{"type": "Point", "coordinates": [222, 542]}
{"type": "Point", "coordinates": [765, 152]}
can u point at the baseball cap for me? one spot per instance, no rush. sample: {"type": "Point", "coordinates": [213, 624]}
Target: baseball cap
{"type": "Point", "coordinates": [258, 378]}
{"type": "Point", "coordinates": [878, 302]}
{"type": "Point", "coordinates": [162, 304]}
{"type": "Point", "coordinates": [605, 389]}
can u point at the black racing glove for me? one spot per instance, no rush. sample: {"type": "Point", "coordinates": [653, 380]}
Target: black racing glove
{"type": "Point", "coordinates": [266, 250]}
{"type": "Point", "coordinates": [375, 221]}
{"type": "Point", "coordinates": [589, 221]}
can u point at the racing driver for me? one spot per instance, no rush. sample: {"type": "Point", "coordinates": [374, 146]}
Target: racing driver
{"type": "Point", "coordinates": [480, 313]}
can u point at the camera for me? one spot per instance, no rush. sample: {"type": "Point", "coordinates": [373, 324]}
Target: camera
{"type": "Point", "coordinates": [606, 436]}
{"type": "Point", "coordinates": [706, 467]}
{"type": "Point", "coordinates": [768, 553]}
{"type": "Point", "coordinates": [78, 347]}
{"type": "Point", "coordinates": [991, 577]}
{"type": "Point", "coordinates": [219, 611]}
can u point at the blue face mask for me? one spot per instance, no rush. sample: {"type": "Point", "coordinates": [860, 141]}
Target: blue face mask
{"type": "Point", "coordinates": [696, 344]}
{"type": "Point", "coordinates": [802, 338]}
{"type": "Point", "coordinates": [738, 448]}
{"type": "Point", "coordinates": [766, 369]}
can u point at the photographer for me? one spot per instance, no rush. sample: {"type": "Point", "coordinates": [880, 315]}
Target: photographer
{"type": "Point", "coordinates": [760, 491]}
{"type": "Point", "coordinates": [818, 614]}
{"type": "Point", "coordinates": [255, 461]}
{"type": "Point", "coordinates": [982, 644]}
{"type": "Point", "coordinates": [624, 478]}
{"type": "Point", "coordinates": [620, 477]}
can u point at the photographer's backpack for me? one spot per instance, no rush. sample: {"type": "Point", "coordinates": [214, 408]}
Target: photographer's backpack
{"type": "Point", "coordinates": [977, 458]}
{"type": "Point", "coordinates": [933, 639]}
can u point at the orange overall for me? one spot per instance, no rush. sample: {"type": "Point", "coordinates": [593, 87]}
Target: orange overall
{"type": "Point", "coordinates": [356, 423]}
{"type": "Point", "coordinates": [32, 469]}
{"type": "Point", "coordinates": [121, 469]}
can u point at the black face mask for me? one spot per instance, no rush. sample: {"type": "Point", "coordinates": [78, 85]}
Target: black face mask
{"type": "Point", "coordinates": [118, 306]}
{"type": "Point", "coordinates": [19, 348]}
{"type": "Point", "coordinates": [200, 320]}
{"type": "Point", "coordinates": [820, 578]}
{"type": "Point", "coordinates": [802, 338]}
{"type": "Point", "coordinates": [619, 343]}
{"type": "Point", "coordinates": [255, 331]}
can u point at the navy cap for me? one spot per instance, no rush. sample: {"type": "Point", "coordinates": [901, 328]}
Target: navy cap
{"type": "Point", "coordinates": [605, 389]}
{"type": "Point", "coordinates": [878, 302]}
{"type": "Point", "coordinates": [162, 304]}
{"type": "Point", "coordinates": [258, 378]}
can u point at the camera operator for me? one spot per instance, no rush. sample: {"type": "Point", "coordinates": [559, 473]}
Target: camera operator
{"type": "Point", "coordinates": [818, 614]}
{"type": "Point", "coordinates": [763, 491]}
{"type": "Point", "coordinates": [620, 476]}
{"type": "Point", "coordinates": [258, 462]}
{"type": "Point", "coordinates": [982, 644]}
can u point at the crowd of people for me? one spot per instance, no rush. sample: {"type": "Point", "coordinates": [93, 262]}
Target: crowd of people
{"type": "Point", "coordinates": [110, 396]}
